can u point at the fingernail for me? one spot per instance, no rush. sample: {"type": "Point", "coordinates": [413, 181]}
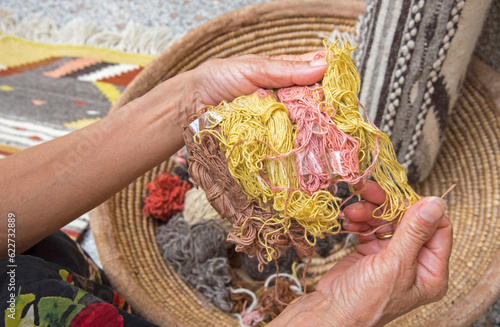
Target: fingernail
{"type": "Point", "coordinates": [432, 209]}
{"type": "Point", "coordinates": [318, 62]}
{"type": "Point", "coordinates": [355, 206]}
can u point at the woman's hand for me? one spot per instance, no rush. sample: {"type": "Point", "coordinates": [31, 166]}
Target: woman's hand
{"type": "Point", "coordinates": [226, 79]}
{"type": "Point", "coordinates": [49, 185]}
{"type": "Point", "coordinates": [384, 279]}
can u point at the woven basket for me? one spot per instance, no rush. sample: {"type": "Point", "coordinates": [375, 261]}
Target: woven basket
{"type": "Point", "coordinates": [469, 158]}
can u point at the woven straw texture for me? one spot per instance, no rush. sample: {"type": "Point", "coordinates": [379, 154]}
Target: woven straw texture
{"type": "Point", "coordinates": [469, 158]}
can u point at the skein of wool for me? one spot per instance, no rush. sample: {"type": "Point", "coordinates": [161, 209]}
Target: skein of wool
{"type": "Point", "coordinates": [327, 243]}
{"type": "Point", "coordinates": [283, 288]}
{"type": "Point", "coordinates": [197, 207]}
{"type": "Point", "coordinates": [198, 255]}
{"type": "Point", "coordinates": [341, 87]}
{"type": "Point", "coordinates": [182, 172]}
{"type": "Point", "coordinates": [256, 135]}
{"type": "Point", "coordinates": [278, 158]}
{"type": "Point", "coordinates": [165, 197]}
{"type": "Point", "coordinates": [284, 265]}
{"type": "Point", "coordinates": [208, 168]}
{"type": "Point", "coordinates": [325, 154]}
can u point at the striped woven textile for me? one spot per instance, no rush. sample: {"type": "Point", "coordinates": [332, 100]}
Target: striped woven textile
{"type": "Point", "coordinates": [412, 58]}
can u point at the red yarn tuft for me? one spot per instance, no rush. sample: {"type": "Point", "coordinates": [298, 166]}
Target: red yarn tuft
{"type": "Point", "coordinates": [165, 197]}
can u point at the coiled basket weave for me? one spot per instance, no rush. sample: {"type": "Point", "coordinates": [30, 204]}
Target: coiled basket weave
{"type": "Point", "coordinates": [469, 157]}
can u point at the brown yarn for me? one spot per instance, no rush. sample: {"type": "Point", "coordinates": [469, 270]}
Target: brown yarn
{"type": "Point", "coordinates": [208, 169]}
{"type": "Point", "coordinates": [268, 297]}
{"type": "Point", "coordinates": [238, 300]}
{"type": "Point", "coordinates": [239, 280]}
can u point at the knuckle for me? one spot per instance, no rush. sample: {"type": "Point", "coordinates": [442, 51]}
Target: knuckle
{"type": "Point", "coordinates": [277, 57]}
{"type": "Point", "coordinates": [210, 70]}
{"type": "Point", "coordinates": [290, 65]}
{"type": "Point", "coordinates": [419, 230]}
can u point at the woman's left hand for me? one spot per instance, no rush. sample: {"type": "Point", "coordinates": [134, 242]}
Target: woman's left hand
{"type": "Point", "coordinates": [226, 79]}
{"type": "Point", "coordinates": [49, 185]}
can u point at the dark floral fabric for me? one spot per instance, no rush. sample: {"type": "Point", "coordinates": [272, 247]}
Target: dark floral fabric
{"type": "Point", "coordinates": [57, 284]}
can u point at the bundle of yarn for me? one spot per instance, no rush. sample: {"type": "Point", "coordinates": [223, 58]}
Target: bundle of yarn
{"type": "Point", "coordinates": [198, 254]}
{"type": "Point", "coordinates": [270, 162]}
{"type": "Point", "coordinates": [165, 197]}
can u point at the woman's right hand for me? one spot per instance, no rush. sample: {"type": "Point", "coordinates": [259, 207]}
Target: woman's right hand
{"type": "Point", "coordinates": [384, 279]}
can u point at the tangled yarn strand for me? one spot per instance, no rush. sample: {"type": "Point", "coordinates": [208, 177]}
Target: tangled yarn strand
{"type": "Point", "coordinates": [325, 154]}
{"type": "Point", "coordinates": [341, 87]}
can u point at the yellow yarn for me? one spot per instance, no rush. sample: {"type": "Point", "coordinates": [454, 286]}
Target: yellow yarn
{"type": "Point", "coordinates": [341, 85]}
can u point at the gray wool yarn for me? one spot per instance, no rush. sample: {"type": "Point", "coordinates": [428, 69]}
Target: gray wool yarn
{"type": "Point", "coordinates": [198, 254]}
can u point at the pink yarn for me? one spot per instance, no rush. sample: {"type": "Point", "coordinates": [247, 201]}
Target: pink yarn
{"type": "Point", "coordinates": [325, 154]}
{"type": "Point", "coordinates": [252, 318]}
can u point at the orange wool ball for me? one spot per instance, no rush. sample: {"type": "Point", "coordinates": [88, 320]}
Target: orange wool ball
{"type": "Point", "coordinates": [165, 197]}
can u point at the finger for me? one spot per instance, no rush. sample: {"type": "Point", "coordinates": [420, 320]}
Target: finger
{"type": "Point", "coordinates": [360, 220]}
{"type": "Point", "coordinates": [372, 192]}
{"type": "Point", "coordinates": [355, 227]}
{"type": "Point", "coordinates": [362, 211]}
{"type": "Point", "coordinates": [441, 240]}
{"type": "Point", "coordinates": [416, 228]}
{"type": "Point", "coordinates": [366, 233]}
{"type": "Point", "coordinates": [372, 234]}
{"type": "Point", "coordinates": [432, 263]}
{"type": "Point", "coordinates": [227, 79]}
{"type": "Point", "coordinates": [309, 56]}
{"type": "Point", "coordinates": [266, 73]}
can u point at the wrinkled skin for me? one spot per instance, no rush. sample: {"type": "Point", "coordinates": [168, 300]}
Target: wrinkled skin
{"type": "Point", "coordinates": [384, 279]}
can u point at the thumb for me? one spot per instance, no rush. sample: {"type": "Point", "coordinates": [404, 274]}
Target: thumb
{"type": "Point", "coordinates": [416, 227]}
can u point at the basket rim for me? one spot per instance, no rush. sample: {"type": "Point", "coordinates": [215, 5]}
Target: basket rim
{"type": "Point", "coordinates": [230, 22]}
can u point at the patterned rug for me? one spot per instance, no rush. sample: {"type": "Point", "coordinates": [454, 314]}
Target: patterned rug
{"type": "Point", "coordinates": [47, 91]}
